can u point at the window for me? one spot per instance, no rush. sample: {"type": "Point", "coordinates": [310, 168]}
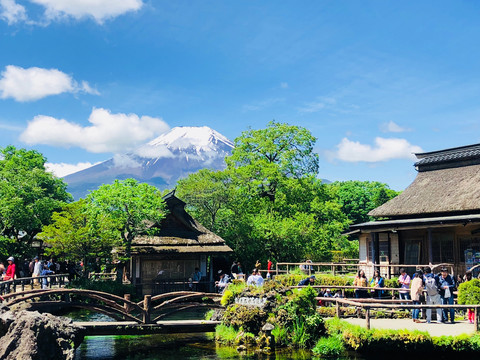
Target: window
{"type": "Point", "coordinates": [442, 247]}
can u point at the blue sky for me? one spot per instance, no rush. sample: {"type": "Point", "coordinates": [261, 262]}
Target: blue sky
{"type": "Point", "coordinates": [374, 81]}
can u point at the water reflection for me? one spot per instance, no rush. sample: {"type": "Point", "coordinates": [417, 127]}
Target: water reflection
{"type": "Point", "coordinates": [168, 347]}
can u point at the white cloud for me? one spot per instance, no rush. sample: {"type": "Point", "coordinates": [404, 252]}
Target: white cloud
{"type": "Point", "coordinates": [100, 10]}
{"type": "Point", "coordinates": [284, 85]}
{"type": "Point", "coordinates": [12, 12]}
{"type": "Point", "coordinates": [109, 132]}
{"type": "Point", "coordinates": [124, 161]}
{"type": "Point", "coordinates": [35, 83]}
{"type": "Point", "coordinates": [317, 105]}
{"type": "Point", "coordinates": [383, 150]}
{"type": "Point", "coordinates": [64, 169]}
{"type": "Point", "coordinates": [153, 151]}
{"type": "Point", "coordinates": [392, 127]}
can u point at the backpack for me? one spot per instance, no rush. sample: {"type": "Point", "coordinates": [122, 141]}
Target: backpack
{"type": "Point", "coordinates": [431, 286]}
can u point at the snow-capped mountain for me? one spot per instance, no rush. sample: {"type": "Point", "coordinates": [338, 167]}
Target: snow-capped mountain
{"type": "Point", "coordinates": [160, 162]}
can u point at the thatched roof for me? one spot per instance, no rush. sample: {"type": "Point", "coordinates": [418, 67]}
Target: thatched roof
{"type": "Point", "coordinates": [448, 182]}
{"type": "Point", "coordinates": [179, 232]}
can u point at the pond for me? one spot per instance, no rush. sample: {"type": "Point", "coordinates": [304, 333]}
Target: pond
{"type": "Point", "coordinates": [168, 347]}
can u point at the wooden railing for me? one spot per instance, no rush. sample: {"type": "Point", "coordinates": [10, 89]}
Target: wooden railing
{"type": "Point", "coordinates": [382, 304]}
{"type": "Point", "coordinates": [343, 268]}
{"type": "Point", "coordinates": [44, 282]}
{"type": "Point", "coordinates": [114, 306]}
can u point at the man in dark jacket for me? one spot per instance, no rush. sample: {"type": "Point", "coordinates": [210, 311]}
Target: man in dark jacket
{"type": "Point", "coordinates": [308, 281]}
{"type": "Point", "coordinates": [446, 286]}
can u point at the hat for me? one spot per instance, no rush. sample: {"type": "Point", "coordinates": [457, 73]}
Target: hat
{"type": "Point", "coordinates": [328, 290]}
{"type": "Point", "coordinates": [444, 269]}
{"type": "Point", "coordinates": [35, 258]}
{"type": "Point", "coordinates": [220, 272]}
{"type": "Point", "coordinates": [11, 258]}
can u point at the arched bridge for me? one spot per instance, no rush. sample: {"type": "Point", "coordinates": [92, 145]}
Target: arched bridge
{"type": "Point", "coordinates": [127, 313]}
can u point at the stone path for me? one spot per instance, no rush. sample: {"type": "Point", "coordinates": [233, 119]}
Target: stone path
{"type": "Point", "coordinates": [434, 329]}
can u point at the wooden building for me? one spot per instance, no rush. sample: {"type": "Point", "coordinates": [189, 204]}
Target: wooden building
{"type": "Point", "coordinates": [435, 220]}
{"type": "Point", "coordinates": [167, 261]}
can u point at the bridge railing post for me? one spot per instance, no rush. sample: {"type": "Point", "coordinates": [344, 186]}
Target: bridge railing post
{"type": "Point", "coordinates": [147, 301]}
{"type": "Point", "coordinates": [126, 306]}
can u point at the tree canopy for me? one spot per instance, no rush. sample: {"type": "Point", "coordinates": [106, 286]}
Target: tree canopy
{"type": "Point", "coordinates": [128, 206]}
{"type": "Point", "coordinates": [28, 194]}
{"type": "Point", "coordinates": [268, 202]}
{"type": "Point", "coordinates": [358, 198]}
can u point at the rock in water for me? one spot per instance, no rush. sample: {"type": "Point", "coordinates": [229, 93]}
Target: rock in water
{"type": "Point", "coordinates": [35, 336]}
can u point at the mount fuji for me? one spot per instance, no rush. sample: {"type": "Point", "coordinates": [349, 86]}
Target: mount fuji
{"type": "Point", "coordinates": [161, 162]}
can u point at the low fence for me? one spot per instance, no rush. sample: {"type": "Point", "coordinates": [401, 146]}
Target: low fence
{"type": "Point", "coordinates": [387, 270]}
{"type": "Point", "coordinates": [381, 304]}
{"type": "Point", "coordinates": [43, 282]}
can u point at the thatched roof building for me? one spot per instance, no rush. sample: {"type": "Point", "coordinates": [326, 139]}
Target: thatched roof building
{"type": "Point", "coordinates": [435, 220]}
{"type": "Point", "coordinates": [179, 233]}
{"type": "Point", "coordinates": [168, 260]}
{"type": "Point", "coordinates": [447, 183]}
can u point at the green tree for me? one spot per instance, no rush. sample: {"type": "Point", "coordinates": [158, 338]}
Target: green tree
{"type": "Point", "coordinates": [206, 193]}
{"type": "Point", "coordinates": [73, 235]}
{"type": "Point", "coordinates": [268, 202]}
{"type": "Point", "coordinates": [358, 198]}
{"type": "Point", "coordinates": [262, 158]}
{"type": "Point", "coordinates": [128, 207]}
{"type": "Point", "coordinates": [28, 194]}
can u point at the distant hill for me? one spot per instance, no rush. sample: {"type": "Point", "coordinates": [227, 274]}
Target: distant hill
{"type": "Point", "coordinates": [161, 162]}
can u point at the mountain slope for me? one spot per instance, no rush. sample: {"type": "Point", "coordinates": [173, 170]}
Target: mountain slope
{"type": "Point", "coordinates": [161, 162]}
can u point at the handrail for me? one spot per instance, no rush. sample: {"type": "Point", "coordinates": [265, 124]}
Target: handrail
{"type": "Point", "coordinates": [60, 279]}
{"type": "Point", "coordinates": [380, 305]}
{"type": "Point", "coordinates": [310, 266]}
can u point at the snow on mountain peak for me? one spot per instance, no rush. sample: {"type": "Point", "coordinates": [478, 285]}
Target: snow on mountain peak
{"type": "Point", "coordinates": [185, 137]}
{"type": "Point", "coordinates": [189, 139]}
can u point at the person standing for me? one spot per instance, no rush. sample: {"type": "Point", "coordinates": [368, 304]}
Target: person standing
{"type": "Point", "coordinates": [361, 282]}
{"type": "Point", "coordinates": [446, 286]}
{"type": "Point", "coordinates": [37, 268]}
{"type": "Point", "coordinates": [10, 273]}
{"type": "Point", "coordinates": [433, 297]}
{"type": "Point", "coordinates": [269, 268]}
{"type": "Point", "coordinates": [404, 281]}
{"type": "Point", "coordinates": [416, 291]}
{"type": "Point", "coordinates": [377, 283]}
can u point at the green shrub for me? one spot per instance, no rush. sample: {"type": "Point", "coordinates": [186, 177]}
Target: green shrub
{"type": "Point", "coordinates": [281, 335]}
{"type": "Point", "coordinates": [225, 334]}
{"type": "Point", "coordinates": [469, 292]}
{"type": "Point", "coordinates": [392, 283]}
{"type": "Point", "coordinates": [232, 291]}
{"type": "Point", "coordinates": [250, 318]}
{"type": "Point", "coordinates": [331, 346]}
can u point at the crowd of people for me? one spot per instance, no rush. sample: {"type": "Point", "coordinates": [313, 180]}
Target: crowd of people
{"type": "Point", "coordinates": [34, 268]}
{"type": "Point", "coordinates": [236, 272]}
{"type": "Point", "coordinates": [423, 287]}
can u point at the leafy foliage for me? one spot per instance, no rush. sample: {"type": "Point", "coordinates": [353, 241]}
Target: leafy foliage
{"type": "Point", "coordinates": [28, 194]}
{"type": "Point", "coordinates": [73, 235]}
{"type": "Point", "coordinates": [331, 346]}
{"type": "Point", "coordinates": [268, 203]}
{"type": "Point", "coordinates": [129, 207]}
{"type": "Point", "coordinates": [358, 198]}
{"type": "Point", "coordinates": [469, 292]}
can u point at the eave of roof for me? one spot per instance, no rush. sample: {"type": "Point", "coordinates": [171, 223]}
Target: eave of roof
{"type": "Point", "coordinates": [418, 223]}
{"type": "Point", "coordinates": [210, 249]}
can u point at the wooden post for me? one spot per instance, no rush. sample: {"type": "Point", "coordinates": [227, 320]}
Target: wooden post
{"type": "Point", "coordinates": [276, 268]}
{"type": "Point", "coordinates": [147, 300]}
{"type": "Point", "coordinates": [343, 292]}
{"type": "Point", "coordinates": [367, 317]}
{"type": "Point", "coordinates": [337, 309]}
{"type": "Point", "coordinates": [125, 305]}
{"type": "Point", "coordinates": [476, 319]}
